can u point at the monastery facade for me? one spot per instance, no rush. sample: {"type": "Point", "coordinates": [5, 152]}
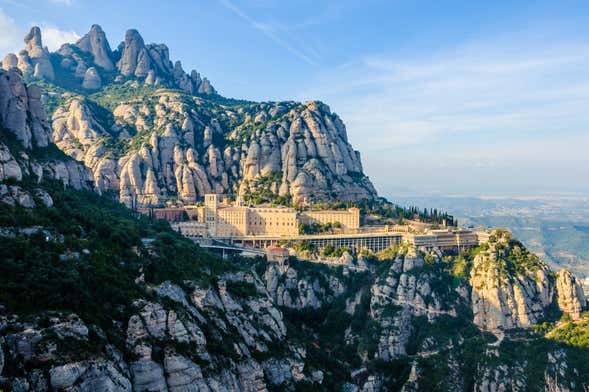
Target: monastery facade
{"type": "Point", "coordinates": [217, 218]}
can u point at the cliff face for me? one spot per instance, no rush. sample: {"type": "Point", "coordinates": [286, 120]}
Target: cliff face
{"type": "Point", "coordinates": [25, 147]}
{"type": "Point", "coordinates": [175, 145]}
{"type": "Point", "coordinates": [150, 144]}
{"type": "Point", "coordinates": [511, 288]}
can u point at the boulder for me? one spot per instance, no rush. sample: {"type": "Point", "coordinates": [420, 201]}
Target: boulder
{"type": "Point", "coordinates": [10, 61]}
{"type": "Point", "coordinates": [91, 79]}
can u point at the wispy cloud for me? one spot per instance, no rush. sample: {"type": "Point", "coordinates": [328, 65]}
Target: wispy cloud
{"type": "Point", "coordinates": [62, 2]}
{"type": "Point", "coordinates": [271, 31]}
{"type": "Point", "coordinates": [483, 110]}
{"type": "Point", "coordinates": [477, 89]}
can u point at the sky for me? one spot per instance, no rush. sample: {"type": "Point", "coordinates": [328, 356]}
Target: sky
{"type": "Point", "coordinates": [441, 97]}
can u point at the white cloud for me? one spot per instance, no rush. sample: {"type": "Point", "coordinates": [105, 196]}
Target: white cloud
{"type": "Point", "coordinates": [54, 37]}
{"type": "Point", "coordinates": [11, 38]}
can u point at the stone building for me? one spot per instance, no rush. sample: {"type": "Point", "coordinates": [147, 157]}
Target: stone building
{"type": "Point", "coordinates": [349, 219]}
{"type": "Point", "coordinates": [190, 229]}
{"type": "Point", "coordinates": [218, 218]}
{"type": "Point", "coordinates": [224, 220]}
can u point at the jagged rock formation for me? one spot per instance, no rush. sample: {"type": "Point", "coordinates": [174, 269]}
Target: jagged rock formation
{"type": "Point", "coordinates": [132, 59]}
{"type": "Point", "coordinates": [512, 288]}
{"type": "Point", "coordinates": [180, 336]}
{"type": "Point", "coordinates": [21, 111]}
{"type": "Point", "coordinates": [291, 291]}
{"type": "Point", "coordinates": [179, 148]}
{"type": "Point", "coordinates": [159, 144]}
{"type": "Point", "coordinates": [571, 298]}
{"type": "Point", "coordinates": [501, 300]}
{"type": "Point", "coordinates": [91, 79]}
{"type": "Point", "coordinates": [34, 60]}
{"type": "Point", "coordinates": [404, 293]}
{"type": "Point", "coordinates": [95, 43]}
{"type": "Point", "coordinates": [22, 117]}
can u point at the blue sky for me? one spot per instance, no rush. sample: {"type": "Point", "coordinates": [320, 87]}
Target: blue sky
{"type": "Point", "coordinates": [453, 97]}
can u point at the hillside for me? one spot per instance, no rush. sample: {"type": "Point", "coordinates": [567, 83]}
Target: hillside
{"type": "Point", "coordinates": [153, 133]}
{"type": "Point", "coordinates": [95, 297]}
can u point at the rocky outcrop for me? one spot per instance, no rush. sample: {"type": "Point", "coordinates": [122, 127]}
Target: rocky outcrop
{"type": "Point", "coordinates": [570, 295]}
{"type": "Point", "coordinates": [134, 57]}
{"type": "Point", "coordinates": [90, 61]}
{"type": "Point", "coordinates": [168, 144]}
{"type": "Point", "coordinates": [302, 147]}
{"type": "Point", "coordinates": [21, 111]}
{"type": "Point", "coordinates": [10, 61]}
{"type": "Point", "coordinates": [167, 349]}
{"type": "Point", "coordinates": [34, 60]}
{"type": "Point", "coordinates": [403, 293]}
{"type": "Point", "coordinates": [512, 288]}
{"type": "Point", "coordinates": [9, 167]}
{"type": "Point", "coordinates": [95, 43]}
{"type": "Point", "coordinates": [505, 300]}
{"type": "Point", "coordinates": [91, 79]}
{"type": "Point", "coordinates": [290, 290]}
{"type": "Point", "coordinates": [22, 117]}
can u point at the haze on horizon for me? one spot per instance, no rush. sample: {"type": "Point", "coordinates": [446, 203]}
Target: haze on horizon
{"type": "Point", "coordinates": [455, 97]}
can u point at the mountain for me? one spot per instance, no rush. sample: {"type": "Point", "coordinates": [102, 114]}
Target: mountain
{"type": "Point", "coordinates": [95, 296]}
{"type": "Point", "coordinates": [151, 132]}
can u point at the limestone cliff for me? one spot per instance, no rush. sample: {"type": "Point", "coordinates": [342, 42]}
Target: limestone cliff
{"type": "Point", "coordinates": [571, 298]}
{"type": "Point", "coordinates": [175, 145]}
{"type": "Point", "coordinates": [151, 132]}
{"type": "Point", "coordinates": [512, 288]}
{"type": "Point", "coordinates": [25, 147]}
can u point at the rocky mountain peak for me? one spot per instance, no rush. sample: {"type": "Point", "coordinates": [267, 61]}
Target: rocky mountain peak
{"type": "Point", "coordinates": [95, 42]}
{"type": "Point", "coordinates": [33, 39]}
{"type": "Point", "coordinates": [149, 63]}
{"type": "Point", "coordinates": [133, 53]}
{"type": "Point", "coordinates": [34, 60]}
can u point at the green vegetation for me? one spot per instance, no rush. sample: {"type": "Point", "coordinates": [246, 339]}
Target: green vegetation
{"type": "Point", "coordinates": [87, 255]}
{"type": "Point", "coordinates": [383, 210]}
{"type": "Point", "coordinates": [333, 251]}
{"type": "Point", "coordinates": [517, 259]}
{"type": "Point", "coordinates": [263, 192]}
{"type": "Point", "coordinates": [318, 228]}
{"type": "Point", "coordinates": [241, 289]}
{"type": "Point", "coordinates": [573, 333]}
